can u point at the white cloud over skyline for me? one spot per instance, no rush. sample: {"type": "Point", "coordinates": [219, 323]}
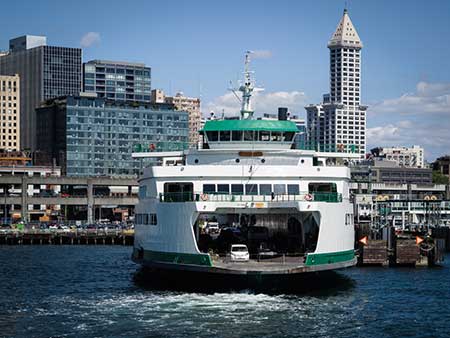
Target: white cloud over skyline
{"type": "Point", "coordinates": [263, 103]}
{"type": "Point", "coordinates": [90, 39]}
{"type": "Point", "coordinates": [421, 118]}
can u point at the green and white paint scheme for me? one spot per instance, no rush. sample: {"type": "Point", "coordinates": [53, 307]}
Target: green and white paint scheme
{"type": "Point", "coordinates": [244, 151]}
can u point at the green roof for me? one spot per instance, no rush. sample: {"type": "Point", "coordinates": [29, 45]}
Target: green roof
{"type": "Point", "coordinates": [266, 125]}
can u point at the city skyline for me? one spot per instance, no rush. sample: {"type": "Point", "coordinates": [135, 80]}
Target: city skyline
{"type": "Point", "coordinates": [195, 49]}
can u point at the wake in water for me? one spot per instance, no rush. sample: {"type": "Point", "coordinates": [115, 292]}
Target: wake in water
{"type": "Point", "coordinates": [324, 283]}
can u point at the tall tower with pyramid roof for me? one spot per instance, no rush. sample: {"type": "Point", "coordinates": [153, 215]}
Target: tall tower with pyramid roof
{"type": "Point", "coordinates": [342, 117]}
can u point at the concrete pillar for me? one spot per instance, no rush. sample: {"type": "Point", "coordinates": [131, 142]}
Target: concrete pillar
{"type": "Point", "coordinates": [90, 196]}
{"type": "Point", "coordinates": [409, 189]}
{"type": "Point", "coordinates": [24, 195]}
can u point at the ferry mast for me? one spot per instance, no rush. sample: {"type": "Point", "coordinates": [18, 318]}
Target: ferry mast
{"type": "Point", "coordinates": [247, 89]}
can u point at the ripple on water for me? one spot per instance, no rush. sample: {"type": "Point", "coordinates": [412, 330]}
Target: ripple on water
{"type": "Point", "coordinates": [88, 292]}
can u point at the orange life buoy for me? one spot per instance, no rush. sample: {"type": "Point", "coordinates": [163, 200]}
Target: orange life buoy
{"type": "Point", "coordinates": [204, 197]}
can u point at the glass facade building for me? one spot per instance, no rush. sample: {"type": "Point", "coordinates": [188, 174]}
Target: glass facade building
{"type": "Point", "coordinates": [114, 80]}
{"type": "Point", "coordinates": [45, 72]}
{"type": "Point", "coordinates": [95, 137]}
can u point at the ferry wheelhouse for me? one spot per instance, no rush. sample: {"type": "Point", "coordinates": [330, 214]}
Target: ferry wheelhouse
{"type": "Point", "coordinates": [289, 207]}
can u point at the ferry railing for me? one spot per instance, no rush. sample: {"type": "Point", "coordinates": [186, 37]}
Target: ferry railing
{"type": "Point", "coordinates": [329, 197]}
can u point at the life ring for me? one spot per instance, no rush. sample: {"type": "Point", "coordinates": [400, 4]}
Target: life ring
{"type": "Point", "coordinates": [204, 197]}
{"type": "Point", "coordinates": [308, 197]}
{"type": "Point", "coordinates": [427, 198]}
{"type": "Point", "coordinates": [340, 147]}
{"type": "Point", "coordinates": [433, 198]}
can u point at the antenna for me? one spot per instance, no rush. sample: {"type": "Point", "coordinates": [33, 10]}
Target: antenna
{"type": "Point", "coordinates": [234, 92]}
{"type": "Point", "coordinates": [247, 88]}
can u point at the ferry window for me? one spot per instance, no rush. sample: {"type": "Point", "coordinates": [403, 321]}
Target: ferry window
{"type": "Point", "coordinates": [212, 135]}
{"type": "Point", "coordinates": [279, 189]}
{"type": "Point", "coordinates": [223, 188]}
{"type": "Point", "coordinates": [276, 136]}
{"type": "Point", "coordinates": [153, 219]}
{"type": "Point", "coordinates": [348, 219]}
{"type": "Point", "coordinates": [251, 189]}
{"type": "Point", "coordinates": [288, 136]}
{"type": "Point", "coordinates": [293, 189]}
{"type": "Point", "coordinates": [249, 135]}
{"type": "Point", "coordinates": [142, 191]}
{"type": "Point", "coordinates": [178, 192]}
{"type": "Point", "coordinates": [265, 189]}
{"type": "Point", "coordinates": [264, 136]}
{"type": "Point", "coordinates": [322, 187]}
{"type": "Point", "coordinates": [237, 189]}
{"type": "Point", "coordinates": [225, 136]}
{"type": "Point", "coordinates": [236, 135]}
{"type": "Point", "coordinates": [209, 188]}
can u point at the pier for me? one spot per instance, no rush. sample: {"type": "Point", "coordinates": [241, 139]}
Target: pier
{"type": "Point", "coordinates": [66, 237]}
{"type": "Point", "coordinates": [402, 248]}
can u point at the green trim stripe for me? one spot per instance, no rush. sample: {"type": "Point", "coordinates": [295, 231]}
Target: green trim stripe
{"type": "Point", "coordinates": [267, 125]}
{"type": "Point", "coordinates": [178, 258]}
{"type": "Point", "coordinates": [329, 258]}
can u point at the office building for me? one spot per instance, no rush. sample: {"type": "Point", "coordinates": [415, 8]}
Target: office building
{"type": "Point", "coordinates": [116, 80]}
{"type": "Point", "coordinates": [405, 156]}
{"type": "Point", "coordinates": [89, 136]}
{"type": "Point", "coordinates": [387, 171]}
{"type": "Point", "coordinates": [189, 104]}
{"type": "Point", "coordinates": [342, 115]}
{"type": "Point", "coordinates": [314, 127]}
{"type": "Point", "coordinates": [45, 72]}
{"type": "Point", "coordinates": [157, 96]}
{"type": "Point", "coordinates": [10, 113]}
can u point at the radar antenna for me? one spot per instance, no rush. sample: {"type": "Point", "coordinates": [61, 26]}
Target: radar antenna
{"type": "Point", "coordinates": [247, 88]}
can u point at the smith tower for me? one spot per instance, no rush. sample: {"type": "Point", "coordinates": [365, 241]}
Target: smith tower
{"type": "Point", "coordinates": [342, 117]}
{"type": "Point", "coordinates": [345, 56]}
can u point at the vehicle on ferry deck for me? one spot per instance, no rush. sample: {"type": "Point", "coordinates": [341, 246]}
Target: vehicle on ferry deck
{"type": "Point", "coordinates": [239, 253]}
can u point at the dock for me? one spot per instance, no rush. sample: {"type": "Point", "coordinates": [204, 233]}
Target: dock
{"type": "Point", "coordinates": [66, 237]}
{"type": "Point", "coordinates": [403, 249]}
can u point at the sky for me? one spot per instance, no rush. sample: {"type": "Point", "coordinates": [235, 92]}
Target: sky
{"type": "Point", "coordinates": [198, 47]}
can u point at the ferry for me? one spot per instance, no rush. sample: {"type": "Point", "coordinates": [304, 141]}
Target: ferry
{"type": "Point", "coordinates": [246, 187]}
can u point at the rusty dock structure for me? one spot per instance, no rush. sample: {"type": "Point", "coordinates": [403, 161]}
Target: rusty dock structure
{"type": "Point", "coordinates": [401, 248]}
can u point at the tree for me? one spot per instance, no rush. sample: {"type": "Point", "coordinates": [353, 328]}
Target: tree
{"type": "Point", "coordinates": [439, 178]}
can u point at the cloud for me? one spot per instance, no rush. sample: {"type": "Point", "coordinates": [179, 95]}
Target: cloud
{"type": "Point", "coordinates": [261, 54]}
{"type": "Point", "coordinates": [90, 39]}
{"type": "Point", "coordinates": [262, 103]}
{"type": "Point", "coordinates": [421, 118]}
{"type": "Point", "coordinates": [425, 89]}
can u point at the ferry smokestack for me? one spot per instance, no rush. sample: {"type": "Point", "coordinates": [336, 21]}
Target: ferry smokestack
{"type": "Point", "coordinates": [282, 113]}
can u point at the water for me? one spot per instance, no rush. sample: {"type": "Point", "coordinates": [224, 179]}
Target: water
{"type": "Point", "coordinates": [90, 291]}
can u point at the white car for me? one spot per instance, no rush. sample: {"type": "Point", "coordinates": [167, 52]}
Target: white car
{"type": "Point", "coordinates": [239, 253]}
{"type": "Point", "coordinates": [212, 228]}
